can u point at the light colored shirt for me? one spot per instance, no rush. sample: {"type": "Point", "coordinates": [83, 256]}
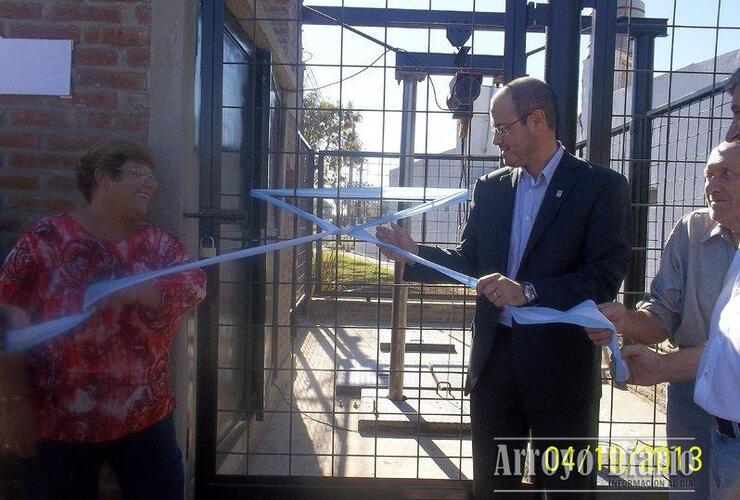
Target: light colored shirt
{"type": "Point", "coordinates": [692, 267]}
{"type": "Point", "coordinates": [717, 387]}
{"type": "Point", "coordinates": [529, 195]}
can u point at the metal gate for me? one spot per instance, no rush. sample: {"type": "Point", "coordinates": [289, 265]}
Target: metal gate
{"type": "Point", "coordinates": [294, 362]}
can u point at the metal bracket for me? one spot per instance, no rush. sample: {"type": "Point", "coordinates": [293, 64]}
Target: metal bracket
{"type": "Point", "coordinates": [217, 213]}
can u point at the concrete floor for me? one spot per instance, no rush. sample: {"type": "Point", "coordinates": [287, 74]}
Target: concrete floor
{"type": "Point", "coordinates": [340, 379]}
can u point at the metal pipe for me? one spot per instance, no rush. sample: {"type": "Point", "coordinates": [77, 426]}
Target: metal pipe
{"type": "Point", "coordinates": [641, 136]}
{"type": "Point", "coordinates": [515, 40]}
{"type": "Point", "coordinates": [400, 292]}
{"type": "Point", "coordinates": [603, 36]}
{"type": "Point", "coordinates": [562, 63]}
{"type": "Point", "coordinates": [320, 213]}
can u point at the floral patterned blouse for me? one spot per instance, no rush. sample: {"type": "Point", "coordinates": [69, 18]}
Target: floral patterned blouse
{"type": "Point", "coordinates": [108, 377]}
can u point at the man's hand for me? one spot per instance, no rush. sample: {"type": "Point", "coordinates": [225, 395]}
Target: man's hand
{"type": "Point", "coordinates": [647, 367]}
{"type": "Point", "coordinates": [397, 236]}
{"type": "Point", "coordinates": [617, 314]}
{"type": "Point", "coordinates": [501, 291]}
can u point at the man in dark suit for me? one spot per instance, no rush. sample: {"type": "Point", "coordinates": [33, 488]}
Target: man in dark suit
{"type": "Point", "coordinates": [548, 230]}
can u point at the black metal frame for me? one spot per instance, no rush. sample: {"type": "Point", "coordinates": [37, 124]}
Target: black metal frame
{"type": "Point", "coordinates": [522, 18]}
{"type": "Point", "coordinates": [214, 25]}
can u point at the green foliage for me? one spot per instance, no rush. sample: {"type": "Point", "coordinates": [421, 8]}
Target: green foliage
{"type": "Point", "coordinates": [326, 127]}
{"type": "Point", "coordinates": [347, 268]}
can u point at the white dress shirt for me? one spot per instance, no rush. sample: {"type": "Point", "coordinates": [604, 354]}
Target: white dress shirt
{"type": "Point", "coordinates": [717, 387]}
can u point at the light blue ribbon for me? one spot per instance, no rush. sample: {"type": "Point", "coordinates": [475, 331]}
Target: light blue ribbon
{"type": "Point", "coordinates": [18, 340]}
{"type": "Point", "coordinates": [28, 337]}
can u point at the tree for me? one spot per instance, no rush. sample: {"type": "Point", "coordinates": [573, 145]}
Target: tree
{"type": "Point", "coordinates": [327, 127]}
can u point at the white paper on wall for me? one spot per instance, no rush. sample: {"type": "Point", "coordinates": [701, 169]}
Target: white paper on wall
{"type": "Point", "coordinates": [35, 67]}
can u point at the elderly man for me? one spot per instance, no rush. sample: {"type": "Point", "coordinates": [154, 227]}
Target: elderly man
{"type": "Point", "coordinates": [548, 229]}
{"type": "Point", "coordinates": [683, 293]}
{"type": "Point", "coordinates": [683, 296]}
{"type": "Point", "coordinates": [717, 390]}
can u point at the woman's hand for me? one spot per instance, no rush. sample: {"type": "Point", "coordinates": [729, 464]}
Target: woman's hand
{"type": "Point", "coordinates": [145, 294]}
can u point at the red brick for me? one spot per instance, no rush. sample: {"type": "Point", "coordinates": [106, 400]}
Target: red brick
{"type": "Point", "coordinates": [137, 57]}
{"type": "Point", "coordinates": [113, 79]}
{"type": "Point", "coordinates": [42, 203]}
{"type": "Point", "coordinates": [42, 160]}
{"type": "Point", "coordinates": [17, 140]}
{"type": "Point", "coordinates": [118, 121]}
{"type": "Point", "coordinates": [71, 143]}
{"type": "Point", "coordinates": [144, 15]}
{"type": "Point", "coordinates": [60, 183]}
{"type": "Point", "coordinates": [22, 182]}
{"type": "Point", "coordinates": [20, 10]}
{"type": "Point", "coordinates": [86, 56]}
{"type": "Point", "coordinates": [136, 102]}
{"type": "Point", "coordinates": [117, 36]}
{"type": "Point", "coordinates": [27, 100]}
{"type": "Point", "coordinates": [55, 31]}
{"type": "Point", "coordinates": [46, 118]}
{"type": "Point", "coordinates": [93, 99]}
{"type": "Point", "coordinates": [80, 12]}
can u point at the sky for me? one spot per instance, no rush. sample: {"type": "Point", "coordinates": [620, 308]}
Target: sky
{"type": "Point", "coordinates": [376, 89]}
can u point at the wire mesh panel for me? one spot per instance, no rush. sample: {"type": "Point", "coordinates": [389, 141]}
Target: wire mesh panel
{"type": "Point", "coordinates": [335, 120]}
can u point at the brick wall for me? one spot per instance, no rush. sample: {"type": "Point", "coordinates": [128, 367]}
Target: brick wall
{"type": "Point", "coordinates": [41, 137]}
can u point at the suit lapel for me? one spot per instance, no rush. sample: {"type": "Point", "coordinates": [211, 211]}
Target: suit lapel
{"type": "Point", "coordinates": [557, 192]}
{"type": "Point", "coordinates": [504, 202]}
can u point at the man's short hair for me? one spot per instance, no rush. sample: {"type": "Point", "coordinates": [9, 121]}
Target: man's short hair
{"type": "Point", "coordinates": [109, 156]}
{"type": "Point", "coordinates": [733, 81]}
{"type": "Point", "coordinates": [529, 94]}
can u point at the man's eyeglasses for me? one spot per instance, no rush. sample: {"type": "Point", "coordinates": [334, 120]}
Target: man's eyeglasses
{"type": "Point", "coordinates": [504, 129]}
{"type": "Point", "coordinates": [143, 174]}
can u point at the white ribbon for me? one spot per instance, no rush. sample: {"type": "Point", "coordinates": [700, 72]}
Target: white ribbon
{"type": "Point", "coordinates": [18, 340]}
{"type": "Point", "coordinates": [585, 314]}
{"type": "Point", "coordinates": [433, 198]}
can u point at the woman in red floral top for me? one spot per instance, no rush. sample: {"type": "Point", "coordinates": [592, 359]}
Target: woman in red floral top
{"type": "Point", "coordinates": [102, 391]}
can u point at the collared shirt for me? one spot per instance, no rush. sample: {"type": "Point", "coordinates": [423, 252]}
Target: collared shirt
{"type": "Point", "coordinates": [717, 380]}
{"type": "Point", "coordinates": [110, 376]}
{"type": "Point", "coordinates": [685, 289]}
{"type": "Point", "coordinates": [529, 195]}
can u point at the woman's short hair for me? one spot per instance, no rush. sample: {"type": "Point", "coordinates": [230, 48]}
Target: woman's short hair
{"type": "Point", "coordinates": [109, 156]}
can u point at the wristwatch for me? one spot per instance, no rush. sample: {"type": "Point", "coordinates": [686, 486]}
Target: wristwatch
{"type": "Point", "coordinates": [529, 292]}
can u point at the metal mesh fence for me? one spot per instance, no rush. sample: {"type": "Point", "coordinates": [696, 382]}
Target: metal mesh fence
{"type": "Point", "coordinates": [324, 409]}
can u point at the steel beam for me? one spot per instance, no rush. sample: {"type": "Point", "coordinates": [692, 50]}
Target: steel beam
{"type": "Point", "coordinates": [515, 40]}
{"type": "Point", "coordinates": [561, 66]}
{"type": "Point", "coordinates": [441, 19]}
{"type": "Point", "coordinates": [446, 64]}
{"type": "Point", "coordinates": [405, 18]}
{"type": "Point", "coordinates": [603, 36]}
{"type": "Point", "coordinates": [641, 138]}
{"type": "Point", "coordinates": [400, 292]}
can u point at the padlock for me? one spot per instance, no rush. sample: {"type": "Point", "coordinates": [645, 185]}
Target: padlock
{"type": "Point", "coordinates": [207, 247]}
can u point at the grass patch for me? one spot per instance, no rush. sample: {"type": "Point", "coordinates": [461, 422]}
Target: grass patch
{"type": "Point", "coordinates": [348, 267]}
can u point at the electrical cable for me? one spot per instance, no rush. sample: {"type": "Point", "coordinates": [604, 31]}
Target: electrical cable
{"type": "Point", "coordinates": [386, 46]}
{"type": "Point", "coordinates": [350, 76]}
